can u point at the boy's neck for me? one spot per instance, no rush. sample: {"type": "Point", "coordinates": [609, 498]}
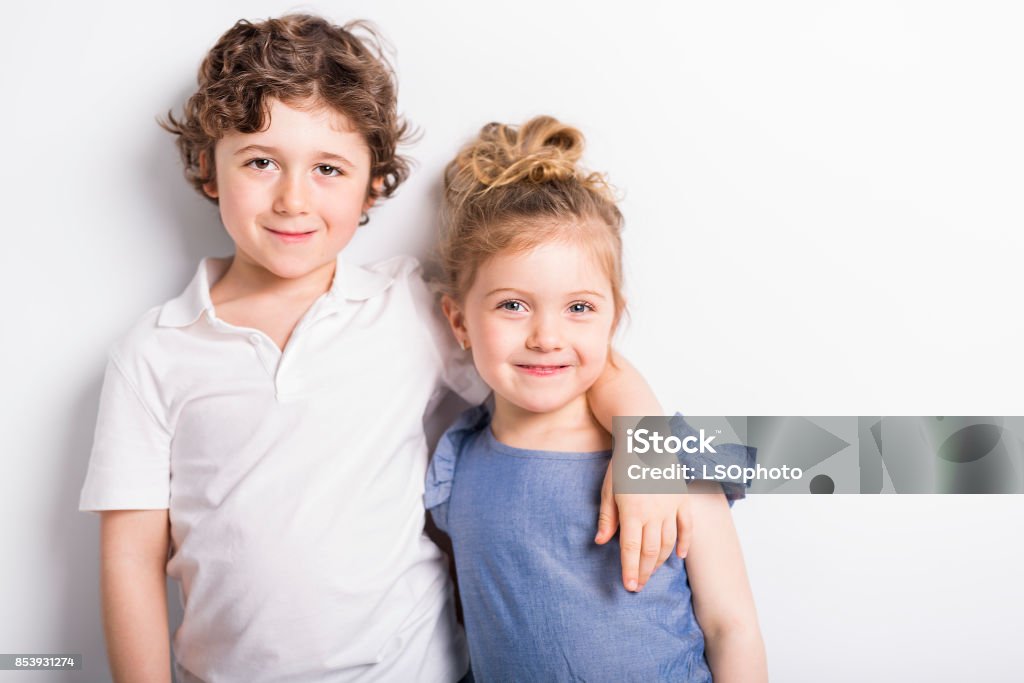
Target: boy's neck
{"type": "Point", "coordinates": [571, 428]}
{"type": "Point", "coordinates": [244, 279]}
{"type": "Point", "coordinates": [250, 296]}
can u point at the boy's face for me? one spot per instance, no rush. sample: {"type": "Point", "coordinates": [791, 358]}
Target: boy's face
{"type": "Point", "coordinates": [291, 196]}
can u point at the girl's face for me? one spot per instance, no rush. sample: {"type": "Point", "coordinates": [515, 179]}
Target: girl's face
{"type": "Point", "coordinates": [539, 324]}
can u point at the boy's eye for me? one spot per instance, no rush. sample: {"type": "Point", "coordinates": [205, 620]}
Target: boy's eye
{"type": "Point", "coordinates": [580, 307]}
{"type": "Point", "coordinates": [329, 171]}
{"type": "Point", "coordinates": [511, 305]}
{"type": "Point", "coordinates": [260, 164]}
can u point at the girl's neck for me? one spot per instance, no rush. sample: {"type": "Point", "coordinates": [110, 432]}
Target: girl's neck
{"type": "Point", "coordinates": [571, 428]}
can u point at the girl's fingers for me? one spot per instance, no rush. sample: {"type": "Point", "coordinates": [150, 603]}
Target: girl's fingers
{"type": "Point", "coordinates": [668, 541]}
{"type": "Point", "coordinates": [630, 540]}
{"type": "Point", "coordinates": [650, 550]}
{"type": "Point", "coordinates": [684, 521]}
{"type": "Point", "coordinates": [608, 517]}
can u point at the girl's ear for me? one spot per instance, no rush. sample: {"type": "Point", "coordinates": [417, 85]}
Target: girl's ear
{"type": "Point", "coordinates": [456, 319]}
{"type": "Point", "coordinates": [209, 188]}
{"type": "Point", "coordinates": [618, 316]}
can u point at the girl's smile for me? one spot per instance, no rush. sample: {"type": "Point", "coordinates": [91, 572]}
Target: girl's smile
{"type": "Point", "coordinates": [539, 324]}
{"type": "Point", "coordinates": [542, 370]}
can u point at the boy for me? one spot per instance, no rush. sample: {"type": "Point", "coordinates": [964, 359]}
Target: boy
{"type": "Point", "coordinates": [264, 429]}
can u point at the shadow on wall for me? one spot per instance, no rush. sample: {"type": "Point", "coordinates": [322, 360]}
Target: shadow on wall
{"type": "Point", "coordinates": [198, 232]}
{"type": "Point", "coordinates": [76, 544]}
{"type": "Point", "coordinates": [194, 220]}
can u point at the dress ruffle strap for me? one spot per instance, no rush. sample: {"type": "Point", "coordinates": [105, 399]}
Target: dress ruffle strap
{"type": "Point", "coordinates": [442, 465]}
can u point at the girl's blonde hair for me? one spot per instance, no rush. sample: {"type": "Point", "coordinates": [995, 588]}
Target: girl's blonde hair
{"type": "Point", "coordinates": [516, 187]}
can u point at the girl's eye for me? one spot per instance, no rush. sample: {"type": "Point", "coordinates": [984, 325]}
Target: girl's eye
{"type": "Point", "coordinates": [329, 171]}
{"type": "Point", "coordinates": [260, 164]}
{"type": "Point", "coordinates": [514, 306]}
{"type": "Point", "coordinates": [580, 307]}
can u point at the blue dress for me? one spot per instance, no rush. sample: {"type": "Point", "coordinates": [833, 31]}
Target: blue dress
{"type": "Point", "coordinates": [541, 600]}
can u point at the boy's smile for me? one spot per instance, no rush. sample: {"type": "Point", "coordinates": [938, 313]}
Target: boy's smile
{"type": "Point", "coordinates": [291, 195]}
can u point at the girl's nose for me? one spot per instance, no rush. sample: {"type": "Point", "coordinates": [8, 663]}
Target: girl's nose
{"type": "Point", "coordinates": [546, 334]}
{"type": "Point", "coordinates": [292, 196]}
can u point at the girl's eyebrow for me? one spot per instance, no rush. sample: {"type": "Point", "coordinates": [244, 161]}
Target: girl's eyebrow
{"type": "Point", "coordinates": [581, 292]}
{"type": "Point", "coordinates": [329, 156]}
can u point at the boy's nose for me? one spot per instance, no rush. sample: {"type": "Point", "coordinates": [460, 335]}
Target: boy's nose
{"type": "Point", "coordinates": [292, 195]}
{"type": "Point", "coordinates": [546, 335]}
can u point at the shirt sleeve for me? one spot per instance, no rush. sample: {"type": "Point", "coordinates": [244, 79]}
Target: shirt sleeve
{"type": "Point", "coordinates": [129, 468]}
{"type": "Point", "coordinates": [725, 455]}
{"type": "Point", "coordinates": [457, 370]}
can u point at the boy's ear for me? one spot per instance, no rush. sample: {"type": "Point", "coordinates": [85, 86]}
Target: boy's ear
{"type": "Point", "coordinates": [456, 319]}
{"type": "Point", "coordinates": [377, 184]}
{"type": "Point", "coordinates": [209, 188]}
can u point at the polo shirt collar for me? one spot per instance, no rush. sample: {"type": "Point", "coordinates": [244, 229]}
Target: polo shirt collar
{"type": "Point", "coordinates": [355, 283]}
{"type": "Point", "coordinates": [351, 282]}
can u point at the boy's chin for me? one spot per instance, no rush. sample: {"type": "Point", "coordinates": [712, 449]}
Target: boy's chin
{"type": "Point", "coordinates": [293, 269]}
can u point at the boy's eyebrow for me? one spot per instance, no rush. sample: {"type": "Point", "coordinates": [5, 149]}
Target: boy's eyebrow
{"type": "Point", "coordinates": [581, 292]}
{"type": "Point", "coordinates": [329, 156]}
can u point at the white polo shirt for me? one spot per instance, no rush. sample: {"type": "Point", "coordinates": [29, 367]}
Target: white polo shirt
{"type": "Point", "coordinates": [293, 480]}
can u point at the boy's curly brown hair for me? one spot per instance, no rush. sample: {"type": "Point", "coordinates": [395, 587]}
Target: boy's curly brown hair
{"type": "Point", "coordinates": [294, 58]}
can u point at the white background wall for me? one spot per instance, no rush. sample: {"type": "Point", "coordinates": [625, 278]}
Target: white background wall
{"type": "Point", "coordinates": [824, 217]}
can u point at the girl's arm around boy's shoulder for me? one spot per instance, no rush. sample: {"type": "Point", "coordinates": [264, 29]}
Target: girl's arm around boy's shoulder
{"type": "Point", "coordinates": [133, 585]}
{"type": "Point", "coordinates": [722, 599]}
{"type": "Point", "coordinates": [649, 524]}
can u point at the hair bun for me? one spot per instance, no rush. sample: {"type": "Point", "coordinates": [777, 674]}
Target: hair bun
{"type": "Point", "coordinates": [542, 150]}
{"type": "Point", "coordinates": [513, 188]}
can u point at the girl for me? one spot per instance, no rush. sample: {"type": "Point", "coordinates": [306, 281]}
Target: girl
{"type": "Point", "coordinates": [532, 285]}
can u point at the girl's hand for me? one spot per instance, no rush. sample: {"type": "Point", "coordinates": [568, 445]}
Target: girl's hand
{"type": "Point", "coordinates": [650, 525]}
